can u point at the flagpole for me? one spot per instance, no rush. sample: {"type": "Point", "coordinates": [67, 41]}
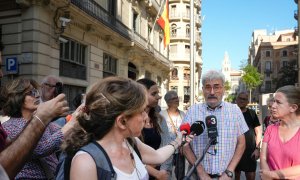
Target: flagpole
{"type": "Point", "coordinates": [156, 18]}
{"type": "Point", "coordinates": [192, 54]}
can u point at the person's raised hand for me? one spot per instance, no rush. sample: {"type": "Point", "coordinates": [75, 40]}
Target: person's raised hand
{"type": "Point", "coordinates": [55, 107]}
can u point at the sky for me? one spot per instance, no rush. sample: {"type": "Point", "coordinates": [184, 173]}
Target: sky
{"type": "Point", "coordinates": [228, 25]}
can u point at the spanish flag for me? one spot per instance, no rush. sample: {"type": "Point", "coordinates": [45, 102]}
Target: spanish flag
{"type": "Point", "coordinates": [163, 22]}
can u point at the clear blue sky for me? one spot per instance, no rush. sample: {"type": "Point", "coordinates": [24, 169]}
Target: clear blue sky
{"type": "Point", "coordinates": [228, 26]}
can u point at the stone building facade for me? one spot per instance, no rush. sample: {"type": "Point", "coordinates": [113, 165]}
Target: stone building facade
{"type": "Point", "coordinates": [83, 41]}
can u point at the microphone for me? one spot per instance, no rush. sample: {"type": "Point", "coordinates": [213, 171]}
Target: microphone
{"type": "Point", "coordinates": [185, 127]}
{"type": "Point", "coordinates": [197, 128]}
{"type": "Point", "coordinates": [212, 131]}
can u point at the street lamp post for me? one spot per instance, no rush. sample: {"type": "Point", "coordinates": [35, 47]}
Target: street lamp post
{"type": "Point", "coordinates": [192, 54]}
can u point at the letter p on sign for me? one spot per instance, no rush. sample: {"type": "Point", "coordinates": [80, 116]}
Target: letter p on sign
{"type": "Point", "coordinates": [11, 65]}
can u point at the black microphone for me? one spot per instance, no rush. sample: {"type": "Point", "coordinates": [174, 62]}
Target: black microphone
{"type": "Point", "coordinates": [197, 128]}
{"type": "Point", "coordinates": [212, 131]}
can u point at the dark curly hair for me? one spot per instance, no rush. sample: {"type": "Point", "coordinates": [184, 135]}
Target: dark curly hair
{"type": "Point", "coordinates": [105, 101]}
{"type": "Point", "coordinates": [13, 95]}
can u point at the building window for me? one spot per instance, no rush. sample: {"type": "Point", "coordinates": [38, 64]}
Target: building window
{"type": "Point", "coordinates": [174, 88]}
{"type": "Point", "coordinates": [284, 63]}
{"type": "Point", "coordinates": [161, 44]}
{"type": "Point", "coordinates": [72, 59]}
{"type": "Point", "coordinates": [149, 33]}
{"type": "Point", "coordinates": [186, 74]}
{"type": "Point", "coordinates": [188, 12]}
{"type": "Point", "coordinates": [173, 48]}
{"type": "Point", "coordinates": [71, 91]}
{"type": "Point", "coordinates": [186, 90]}
{"type": "Point", "coordinates": [173, 11]}
{"type": "Point", "coordinates": [158, 81]}
{"type": "Point", "coordinates": [148, 75]}
{"type": "Point", "coordinates": [174, 74]}
{"type": "Point", "coordinates": [174, 30]}
{"type": "Point", "coordinates": [268, 54]}
{"type": "Point", "coordinates": [284, 53]}
{"type": "Point", "coordinates": [135, 22]}
{"type": "Point", "coordinates": [268, 66]}
{"type": "Point", "coordinates": [187, 30]}
{"type": "Point", "coordinates": [109, 65]}
{"type": "Point", "coordinates": [268, 85]}
{"type": "Point", "coordinates": [132, 71]}
{"type": "Point", "coordinates": [187, 49]}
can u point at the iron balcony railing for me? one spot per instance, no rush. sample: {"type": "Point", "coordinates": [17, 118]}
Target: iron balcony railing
{"type": "Point", "coordinates": [93, 9]}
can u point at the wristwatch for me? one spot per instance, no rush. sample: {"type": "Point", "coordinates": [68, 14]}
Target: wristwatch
{"type": "Point", "coordinates": [229, 173]}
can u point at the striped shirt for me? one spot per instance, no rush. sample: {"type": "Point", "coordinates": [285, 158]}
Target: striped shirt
{"type": "Point", "coordinates": [230, 125]}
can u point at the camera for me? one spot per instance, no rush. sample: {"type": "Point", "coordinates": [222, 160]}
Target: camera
{"type": "Point", "coordinates": [58, 88]}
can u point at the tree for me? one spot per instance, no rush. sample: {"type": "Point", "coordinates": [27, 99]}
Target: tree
{"type": "Point", "coordinates": [252, 78]}
{"type": "Point", "coordinates": [287, 75]}
{"type": "Point", "coordinates": [227, 88]}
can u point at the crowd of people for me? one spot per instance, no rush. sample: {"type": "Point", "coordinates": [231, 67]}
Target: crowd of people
{"type": "Point", "coordinates": [119, 132]}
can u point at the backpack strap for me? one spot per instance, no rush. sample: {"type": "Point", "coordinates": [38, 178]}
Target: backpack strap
{"type": "Point", "coordinates": [104, 166]}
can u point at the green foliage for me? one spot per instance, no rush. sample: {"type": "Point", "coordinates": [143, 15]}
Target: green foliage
{"type": "Point", "coordinates": [230, 98]}
{"type": "Point", "coordinates": [252, 78]}
{"type": "Point", "coordinates": [227, 86]}
{"type": "Point", "coordinates": [287, 75]}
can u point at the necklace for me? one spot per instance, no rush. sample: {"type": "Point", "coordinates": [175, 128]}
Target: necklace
{"type": "Point", "coordinates": [172, 122]}
{"type": "Point", "coordinates": [133, 161]}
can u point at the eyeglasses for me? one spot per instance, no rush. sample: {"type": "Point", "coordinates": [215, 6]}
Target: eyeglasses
{"type": "Point", "coordinates": [216, 88]}
{"type": "Point", "coordinates": [243, 99]}
{"type": "Point", "coordinates": [33, 93]}
{"type": "Point", "coordinates": [173, 98]}
{"type": "Point", "coordinates": [50, 85]}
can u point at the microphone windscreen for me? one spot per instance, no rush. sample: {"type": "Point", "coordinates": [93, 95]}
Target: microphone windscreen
{"type": "Point", "coordinates": [197, 127]}
{"type": "Point", "coordinates": [185, 127]}
{"type": "Point", "coordinates": [211, 124]}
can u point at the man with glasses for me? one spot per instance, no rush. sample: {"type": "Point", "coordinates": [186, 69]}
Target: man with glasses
{"type": "Point", "coordinates": [51, 87]}
{"type": "Point", "coordinates": [253, 137]}
{"type": "Point", "coordinates": [224, 155]}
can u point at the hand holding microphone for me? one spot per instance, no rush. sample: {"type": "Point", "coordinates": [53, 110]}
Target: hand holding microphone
{"type": "Point", "coordinates": [195, 130]}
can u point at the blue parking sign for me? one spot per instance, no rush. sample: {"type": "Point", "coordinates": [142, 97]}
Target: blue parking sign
{"type": "Point", "coordinates": [11, 65]}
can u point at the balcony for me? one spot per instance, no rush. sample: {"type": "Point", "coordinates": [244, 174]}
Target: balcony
{"type": "Point", "coordinates": [268, 72]}
{"type": "Point", "coordinates": [178, 56]}
{"type": "Point", "coordinates": [186, 16]}
{"type": "Point", "coordinates": [94, 10]}
{"type": "Point", "coordinates": [296, 14]}
{"type": "Point", "coordinates": [153, 6]}
{"type": "Point", "coordinates": [174, 15]}
{"type": "Point", "coordinates": [177, 36]}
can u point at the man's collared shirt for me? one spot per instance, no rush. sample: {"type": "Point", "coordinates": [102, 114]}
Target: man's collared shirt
{"type": "Point", "coordinates": [230, 125]}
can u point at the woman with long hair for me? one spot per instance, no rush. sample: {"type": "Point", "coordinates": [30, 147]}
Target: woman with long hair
{"type": "Point", "coordinates": [155, 132]}
{"type": "Point", "coordinates": [113, 116]}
